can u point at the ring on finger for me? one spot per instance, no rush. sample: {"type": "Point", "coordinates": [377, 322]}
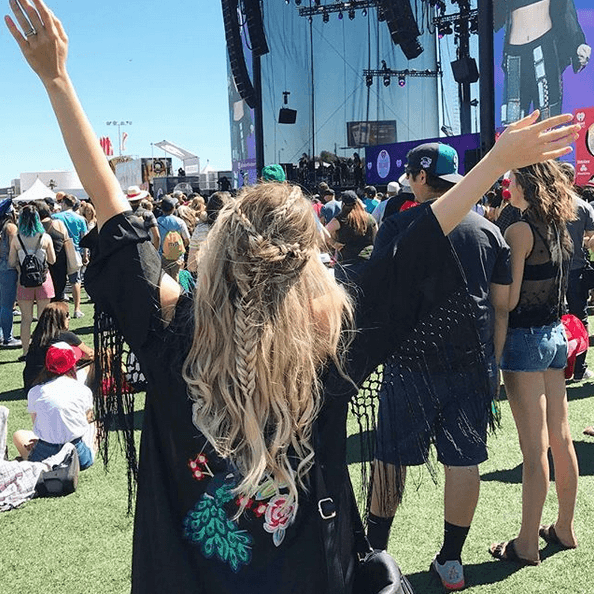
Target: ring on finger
{"type": "Point", "coordinates": [31, 32]}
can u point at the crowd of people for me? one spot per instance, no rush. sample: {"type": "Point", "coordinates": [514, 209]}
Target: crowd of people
{"type": "Point", "coordinates": [256, 318]}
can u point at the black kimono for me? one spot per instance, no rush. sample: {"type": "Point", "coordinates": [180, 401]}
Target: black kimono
{"type": "Point", "coordinates": [186, 539]}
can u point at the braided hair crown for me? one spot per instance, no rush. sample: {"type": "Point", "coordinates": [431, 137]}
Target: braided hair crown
{"type": "Point", "coordinates": [258, 344]}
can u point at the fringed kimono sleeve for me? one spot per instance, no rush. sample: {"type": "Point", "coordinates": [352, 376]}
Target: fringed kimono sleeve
{"type": "Point", "coordinates": [416, 319]}
{"type": "Point", "coordinates": [123, 282]}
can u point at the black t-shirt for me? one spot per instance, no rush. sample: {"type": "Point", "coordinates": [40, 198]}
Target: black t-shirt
{"type": "Point", "coordinates": [186, 536]}
{"type": "Point", "coordinates": [35, 361]}
{"type": "Point", "coordinates": [483, 253]}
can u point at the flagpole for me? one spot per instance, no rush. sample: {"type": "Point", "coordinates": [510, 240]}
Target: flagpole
{"type": "Point", "coordinates": [119, 125]}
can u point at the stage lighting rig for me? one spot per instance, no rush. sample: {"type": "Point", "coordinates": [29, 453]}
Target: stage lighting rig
{"type": "Point", "coordinates": [386, 74]}
{"type": "Point", "coordinates": [350, 7]}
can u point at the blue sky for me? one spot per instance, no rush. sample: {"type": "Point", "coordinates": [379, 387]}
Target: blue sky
{"type": "Point", "coordinates": [161, 65]}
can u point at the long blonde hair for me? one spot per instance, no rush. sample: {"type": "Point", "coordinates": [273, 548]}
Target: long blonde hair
{"type": "Point", "coordinates": [260, 341]}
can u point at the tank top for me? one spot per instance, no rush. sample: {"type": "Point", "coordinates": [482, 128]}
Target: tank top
{"type": "Point", "coordinates": [57, 237]}
{"type": "Point", "coordinates": [543, 283]}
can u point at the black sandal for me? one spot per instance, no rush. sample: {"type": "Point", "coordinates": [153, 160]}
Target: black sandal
{"type": "Point", "coordinates": [506, 551]}
{"type": "Point", "coordinates": [549, 535]}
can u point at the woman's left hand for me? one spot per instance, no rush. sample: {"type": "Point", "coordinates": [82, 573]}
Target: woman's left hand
{"type": "Point", "coordinates": [42, 41]}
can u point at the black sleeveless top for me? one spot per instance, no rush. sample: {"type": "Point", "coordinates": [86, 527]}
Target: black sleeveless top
{"type": "Point", "coordinates": [57, 237]}
{"type": "Point", "coordinates": [544, 281]}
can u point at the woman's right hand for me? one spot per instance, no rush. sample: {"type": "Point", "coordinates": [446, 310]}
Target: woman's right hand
{"type": "Point", "coordinates": [43, 42]}
{"type": "Point", "coordinates": [525, 142]}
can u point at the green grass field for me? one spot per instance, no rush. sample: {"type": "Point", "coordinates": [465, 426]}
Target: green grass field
{"type": "Point", "coordinates": [82, 543]}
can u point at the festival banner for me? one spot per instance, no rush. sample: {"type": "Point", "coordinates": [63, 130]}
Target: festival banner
{"type": "Point", "coordinates": [584, 146]}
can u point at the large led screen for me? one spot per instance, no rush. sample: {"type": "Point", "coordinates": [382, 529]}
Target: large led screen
{"type": "Point", "coordinates": [542, 50]}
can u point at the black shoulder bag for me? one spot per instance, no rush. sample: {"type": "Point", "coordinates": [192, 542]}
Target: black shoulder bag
{"type": "Point", "coordinates": [376, 572]}
{"type": "Point", "coordinates": [62, 479]}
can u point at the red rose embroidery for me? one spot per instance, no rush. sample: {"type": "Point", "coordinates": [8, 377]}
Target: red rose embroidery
{"type": "Point", "coordinates": [277, 517]}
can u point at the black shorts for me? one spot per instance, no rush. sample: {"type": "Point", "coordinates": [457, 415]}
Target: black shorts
{"type": "Point", "coordinates": [437, 409]}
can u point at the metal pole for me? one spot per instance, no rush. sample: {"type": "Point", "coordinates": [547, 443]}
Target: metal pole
{"type": "Point", "coordinates": [464, 88]}
{"type": "Point", "coordinates": [258, 115]}
{"type": "Point", "coordinates": [487, 79]}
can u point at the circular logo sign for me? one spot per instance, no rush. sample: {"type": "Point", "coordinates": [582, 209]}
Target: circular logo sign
{"type": "Point", "coordinates": [383, 164]}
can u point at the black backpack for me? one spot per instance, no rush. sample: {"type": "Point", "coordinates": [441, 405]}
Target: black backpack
{"type": "Point", "coordinates": [33, 269]}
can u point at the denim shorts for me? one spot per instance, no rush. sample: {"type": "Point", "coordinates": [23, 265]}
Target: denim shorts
{"type": "Point", "coordinates": [42, 450]}
{"type": "Point", "coordinates": [535, 349]}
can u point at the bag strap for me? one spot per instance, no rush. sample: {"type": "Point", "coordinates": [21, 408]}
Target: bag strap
{"type": "Point", "coordinates": [22, 244]}
{"type": "Point", "coordinates": [327, 511]}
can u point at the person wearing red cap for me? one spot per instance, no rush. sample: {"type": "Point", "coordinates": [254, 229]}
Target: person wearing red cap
{"type": "Point", "coordinates": [61, 408]}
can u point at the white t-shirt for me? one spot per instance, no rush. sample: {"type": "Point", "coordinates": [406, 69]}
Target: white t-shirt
{"type": "Point", "coordinates": [61, 407]}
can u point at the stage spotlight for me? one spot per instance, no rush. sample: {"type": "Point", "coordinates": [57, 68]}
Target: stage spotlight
{"type": "Point", "coordinates": [401, 80]}
{"type": "Point", "coordinates": [325, 17]}
{"type": "Point", "coordinates": [352, 14]}
{"type": "Point", "coordinates": [369, 80]}
{"type": "Point", "coordinates": [364, 12]}
{"type": "Point", "coordinates": [387, 80]}
{"type": "Point", "coordinates": [340, 15]}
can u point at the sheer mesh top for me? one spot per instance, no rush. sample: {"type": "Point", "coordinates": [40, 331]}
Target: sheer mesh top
{"type": "Point", "coordinates": [544, 280]}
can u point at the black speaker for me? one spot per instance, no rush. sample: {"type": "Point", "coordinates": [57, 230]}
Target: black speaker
{"type": "Point", "coordinates": [236, 56]}
{"type": "Point", "coordinates": [402, 25]}
{"type": "Point", "coordinates": [465, 70]}
{"type": "Point", "coordinates": [287, 116]}
{"type": "Point", "coordinates": [256, 27]}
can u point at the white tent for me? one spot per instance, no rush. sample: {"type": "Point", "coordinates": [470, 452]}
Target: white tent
{"type": "Point", "coordinates": [38, 191]}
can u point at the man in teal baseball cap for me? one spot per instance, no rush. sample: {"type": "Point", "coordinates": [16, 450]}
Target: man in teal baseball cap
{"type": "Point", "coordinates": [273, 173]}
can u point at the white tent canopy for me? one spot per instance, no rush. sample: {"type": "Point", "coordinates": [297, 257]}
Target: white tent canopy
{"type": "Point", "coordinates": [38, 191]}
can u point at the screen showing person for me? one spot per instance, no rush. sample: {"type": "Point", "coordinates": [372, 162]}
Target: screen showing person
{"type": "Point", "coordinates": [536, 42]}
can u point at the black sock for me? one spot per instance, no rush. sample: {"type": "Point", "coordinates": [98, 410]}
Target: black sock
{"type": "Point", "coordinates": [454, 538]}
{"type": "Point", "coordinates": [378, 531]}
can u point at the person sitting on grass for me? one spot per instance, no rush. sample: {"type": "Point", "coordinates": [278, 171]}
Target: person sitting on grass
{"type": "Point", "coordinates": [52, 327]}
{"type": "Point", "coordinates": [61, 408]}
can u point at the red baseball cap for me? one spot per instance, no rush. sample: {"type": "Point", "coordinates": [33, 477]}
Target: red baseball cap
{"type": "Point", "coordinates": [61, 357]}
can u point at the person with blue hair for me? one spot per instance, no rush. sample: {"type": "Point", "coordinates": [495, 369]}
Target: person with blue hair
{"type": "Point", "coordinates": [31, 239]}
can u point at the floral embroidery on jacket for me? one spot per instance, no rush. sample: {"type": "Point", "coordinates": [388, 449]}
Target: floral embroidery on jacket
{"type": "Point", "coordinates": [277, 518]}
{"type": "Point", "coordinates": [209, 526]}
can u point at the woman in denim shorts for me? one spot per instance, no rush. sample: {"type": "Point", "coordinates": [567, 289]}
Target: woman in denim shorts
{"type": "Point", "coordinates": [535, 355]}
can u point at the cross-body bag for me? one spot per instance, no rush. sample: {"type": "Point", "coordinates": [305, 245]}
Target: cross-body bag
{"type": "Point", "coordinates": [376, 572]}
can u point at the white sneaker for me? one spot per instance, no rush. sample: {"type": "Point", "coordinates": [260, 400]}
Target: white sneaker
{"type": "Point", "coordinates": [451, 574]}
{"type": "Point", "coordinates": [78, 314]}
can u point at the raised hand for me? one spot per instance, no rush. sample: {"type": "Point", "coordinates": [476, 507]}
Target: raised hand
{"type": "Point", "coordinates": [41, 38]}
{"type": "Point", "coordinates": [525, 142]}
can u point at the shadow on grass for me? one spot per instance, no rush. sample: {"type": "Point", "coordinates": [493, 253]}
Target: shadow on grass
{"type": "Point", "coordinates": [12, 395]}
{"type": "Point", "coordinates": [585, 455]}
{"type": "Point", "coordinates": [138, 417]}
{"type": "Point", "coordinates": [581, 391]}
{"type": "Point", "coordinates": [83, 330]}
{"type": "Point", "coordinates": [356, 450]}
{"type": "Point", "coordinates": [476, 574]}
